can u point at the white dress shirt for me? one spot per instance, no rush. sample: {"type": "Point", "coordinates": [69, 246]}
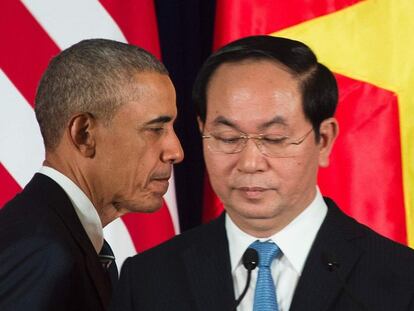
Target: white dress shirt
{"type": "Point", "coordinates": [294, 241]}
{"type": "Point", "coordinates": [84, 208]}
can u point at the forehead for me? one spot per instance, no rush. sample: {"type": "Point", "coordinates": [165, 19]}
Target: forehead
{"type": "Point", "coordinates": [148, 84]}
{"type": "Point", "coordinates": [149, 96]}
{"type": "Point", "coordinates": [254, 92]}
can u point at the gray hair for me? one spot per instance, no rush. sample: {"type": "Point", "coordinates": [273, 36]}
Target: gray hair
{"type": "Point", "coordinates": [91, 76]}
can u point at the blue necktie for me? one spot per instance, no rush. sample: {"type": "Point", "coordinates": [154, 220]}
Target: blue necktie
{"type": "Point", "coordinates": [265, 294]}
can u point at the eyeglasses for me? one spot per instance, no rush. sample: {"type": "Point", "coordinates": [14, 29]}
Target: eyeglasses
{"type": "Point", "coordinates": [271, 145]}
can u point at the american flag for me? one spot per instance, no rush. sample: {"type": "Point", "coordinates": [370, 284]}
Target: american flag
{"type": "Point", "coordinates": [33, 31]}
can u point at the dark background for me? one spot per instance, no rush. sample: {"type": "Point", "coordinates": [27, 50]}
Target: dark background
{"type": "Point", "coordinates": [186, 35]}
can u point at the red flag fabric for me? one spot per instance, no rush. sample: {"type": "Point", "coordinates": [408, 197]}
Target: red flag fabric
{"type": "Point", "coordinates": [366, 173]}
{"type": "Point", "coordinates": [32, 33]}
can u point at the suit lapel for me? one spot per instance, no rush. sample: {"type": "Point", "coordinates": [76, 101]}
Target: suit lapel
{"type": "Point", "coordinates": [319, 285]}
{"type": "Point", "coordinates": [208, 269]}
{"type": "Point", "coordinates": [61, 204]}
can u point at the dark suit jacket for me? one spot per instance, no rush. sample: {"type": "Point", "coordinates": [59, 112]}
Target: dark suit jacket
{"type": "Point", "coordinates": [47, 261]}
{"type": "Point", "coordinates": [349, 267]}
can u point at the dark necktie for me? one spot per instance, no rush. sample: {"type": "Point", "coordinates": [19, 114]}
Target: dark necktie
{"type": "Point", "coordinates": [265, 298]}
{"type": "Point", "coordinates": [107, 259]}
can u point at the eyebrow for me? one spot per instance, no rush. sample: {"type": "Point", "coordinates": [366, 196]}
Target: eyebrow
{"type": "Point", "coordinates": [160, 119]}
{"type": "Point", "coordinates": [220, 120]}
{"type": "Point", "coordinates": [278, 120]}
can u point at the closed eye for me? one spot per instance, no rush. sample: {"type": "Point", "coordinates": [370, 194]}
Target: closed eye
{"type": "Point", "coordinates": [157, 130]}
{"type": "Point", "coordinates": [274, 140]}
{"type": "Point", "coordinates": [229, 140]}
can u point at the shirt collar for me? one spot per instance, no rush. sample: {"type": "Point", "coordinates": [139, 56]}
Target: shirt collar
{"type": "Point", "coordinates": [295, 240]}
{"type": "Point", "coordinates": [84, 208]}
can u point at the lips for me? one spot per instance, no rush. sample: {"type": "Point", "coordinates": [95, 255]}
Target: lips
{"type": "Point", "coordinates": [160, 186]}
{"type": "Point", "coordinates": [160, 182]}
{"type": "Point", "coordinates": [161, 175]}
{"type": "Point", "coordinates": [161, 178]}
{"type": "Point", "coordinates": [252, 189]}
{"type": "Point", "coordinates": [252, 192]}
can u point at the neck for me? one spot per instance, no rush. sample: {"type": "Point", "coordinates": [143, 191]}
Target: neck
{"type": "Point", "coordinates": [108, 214]}
{"type": "Point", "coordinates": [258, 228]}
{"type": "Point", "coordinates": [78, 174]}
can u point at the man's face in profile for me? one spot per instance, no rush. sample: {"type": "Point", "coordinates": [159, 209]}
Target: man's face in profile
{"type": "Point", "coordinates": [260, 192]}
{"type": "Point", "coordinates": [135, 152]}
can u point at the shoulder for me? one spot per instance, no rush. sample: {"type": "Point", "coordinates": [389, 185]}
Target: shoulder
{"type": "Point", "coordinates": [32, 212]}
{"type": "Point", "coordinates": [32, 201]}
{"type": "Point", "coordinates": [22, 222]}
{"type": "Point", "coordinates": [396, 257]}
{"type": "Point", "coordinates": [201, 235]}
{"type": "Point", "coordinates": [161, 276]}
{"type": "Point", "coordinates": [168, 255]}
{"type": "Point", "coordinates": [43, 252]}
{"type": "Point", "coordinates": [31, 232]}
{"type": "Point", "coordinates": [377, 251]}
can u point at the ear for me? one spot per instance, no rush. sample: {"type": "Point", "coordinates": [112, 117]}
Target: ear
{"type": "Point", "coordinates": [200, 125]}
{"type": "Point", "coordinates": [328, 131]}
{"type": "Point", "coordinates": [81, 127]}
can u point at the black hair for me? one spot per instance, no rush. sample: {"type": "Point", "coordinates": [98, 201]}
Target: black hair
{"type": "Point", "coordinates": [317, 83]}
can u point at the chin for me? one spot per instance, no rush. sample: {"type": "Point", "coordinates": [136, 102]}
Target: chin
{"type": "Point", "coordinates": [253, 211]}
{"type": "Point", "coordinates": [260, 214]}
{"type": "Point", "coordinates": [147, 206]}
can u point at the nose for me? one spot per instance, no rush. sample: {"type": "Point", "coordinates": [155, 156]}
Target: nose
{"type": "Point", "coordinates": [251, 159]}
{"type": "Point", "coordinates": [173, 151]}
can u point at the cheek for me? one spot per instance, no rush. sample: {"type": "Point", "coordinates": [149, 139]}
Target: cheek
{"type": "Point", "coordinates": [300, 173]}
{"type": "Point", "coordinates": [145, 164]}
{"type": "Point", "coordinates": [219, 171]}
{"type": "Point", "coordinates": [213, 168]}
{"type": "Point", "coordinates": [118, 152]}
{"type": "Point", "coordinates": [219, 165]}
{"type": "Point", "coordinates": [131, 164]}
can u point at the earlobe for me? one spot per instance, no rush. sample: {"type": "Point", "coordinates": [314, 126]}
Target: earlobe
{"type": "Point", "coordinates": [81, 133]}
{"type": "Point", "coordinates": [328, 131]}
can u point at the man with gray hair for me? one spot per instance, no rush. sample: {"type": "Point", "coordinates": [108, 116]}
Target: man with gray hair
{"type": "Point", "coordinates": [106, 111]}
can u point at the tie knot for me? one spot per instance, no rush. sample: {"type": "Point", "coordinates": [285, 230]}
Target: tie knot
{"type": "Point", "coordinates": [267, 252]}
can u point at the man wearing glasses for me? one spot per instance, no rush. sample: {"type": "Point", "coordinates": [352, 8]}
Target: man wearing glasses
{"type": "Point", "coordinates": [266, 113]}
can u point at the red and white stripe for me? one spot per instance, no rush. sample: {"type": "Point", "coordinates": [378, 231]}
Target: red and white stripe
{"type": "Point", "coordinates": [33, 31]}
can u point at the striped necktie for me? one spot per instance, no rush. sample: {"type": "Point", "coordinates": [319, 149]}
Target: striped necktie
{"type": "Point", "coordinates": [107, 259]}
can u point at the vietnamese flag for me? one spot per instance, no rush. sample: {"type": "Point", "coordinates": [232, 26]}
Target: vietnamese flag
{"type": "Point", "coordinates": [368, 45]}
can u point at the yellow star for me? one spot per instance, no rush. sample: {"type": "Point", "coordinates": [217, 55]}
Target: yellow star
{"type": "Point", "coordinates": [372, 41]}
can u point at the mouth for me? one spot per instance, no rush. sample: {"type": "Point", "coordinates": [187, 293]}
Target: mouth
{"type": "Point", "coordinates": [162, 178]}
{"type": "Point", "coordinates": [252, 192]}
{"type": "Point", "coordinates": [160, 184]}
